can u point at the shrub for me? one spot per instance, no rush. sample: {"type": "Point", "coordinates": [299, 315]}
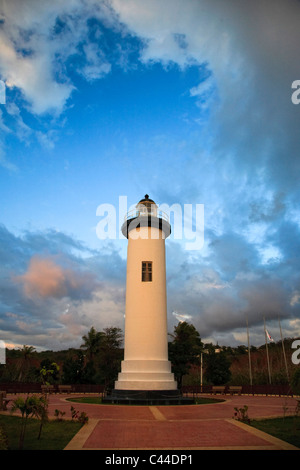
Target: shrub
{"type": "Point", "coordinates": [241, 414]}
{"type": "Point", "coordinates": [82, 417]}
{"type": "Point", "coordinates": [59, 414]}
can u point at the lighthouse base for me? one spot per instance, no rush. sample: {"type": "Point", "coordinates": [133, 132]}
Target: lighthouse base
{"type": "Point", "coordinates": [146, 382]}
{"type": "Point", "coordinates": [147, 397]}
{"type": "Point", "coordinates": [150, 374]}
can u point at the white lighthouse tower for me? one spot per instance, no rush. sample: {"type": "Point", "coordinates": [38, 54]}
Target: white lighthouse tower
{"type": "Point", "coordinates": [145, 370]}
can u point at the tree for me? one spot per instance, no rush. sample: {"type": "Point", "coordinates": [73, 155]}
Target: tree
{"type": "Point", "coordinates": [242, 349]}
{"type": "Point", "coordinates": [41, 411]}
{"type": "Point", "coordinates": [75, 370]}
{"type": "Point", "coordinates": [217, 370]}
{"type": "Point", "coordinates": [29, 407]}
{"type": "Point", "coordinates": [103, 354]}
{"type": "Point", "coordinates": [49, 372]}
{"type": "Point", "coordinates": [184, 350]}
{"type": "Point", "coordinates": [92, 343]}
{"type": "Point", "coordinates": [110, 355]}
{"type": "Point", "coordinates": [24, 362]}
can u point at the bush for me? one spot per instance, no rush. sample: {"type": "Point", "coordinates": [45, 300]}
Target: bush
{"type": "Point", "coordinates": [81, 417]}
{"type": "Point", "coordinates": [241, 414]}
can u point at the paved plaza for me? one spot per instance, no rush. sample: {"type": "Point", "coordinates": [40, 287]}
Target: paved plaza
{"type": "Point", "coordinates": [178, 427]}
{"type": "Point", "coordinates": [190, 427]}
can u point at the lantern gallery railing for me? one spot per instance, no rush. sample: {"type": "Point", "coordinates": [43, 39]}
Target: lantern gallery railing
{"type": "Point", "coordinates": [145, 212]}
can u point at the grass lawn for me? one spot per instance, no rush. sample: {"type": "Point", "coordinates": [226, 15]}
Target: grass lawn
{"type": "Point", "coordinates": [55, 434]}
{"type": "Point", "coordinates": [90, 400]}
{"type": "Point", "coordinates": [205, 401]}
{"type": "Point", "coordinates": [287, 429]}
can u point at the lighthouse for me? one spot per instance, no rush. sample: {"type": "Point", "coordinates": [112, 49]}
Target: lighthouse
{"type": "Point", "coordinates": [146, 370]}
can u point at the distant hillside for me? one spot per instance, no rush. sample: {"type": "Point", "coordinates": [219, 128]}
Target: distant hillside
{"type": "Point", "coordinates": [240, 369]}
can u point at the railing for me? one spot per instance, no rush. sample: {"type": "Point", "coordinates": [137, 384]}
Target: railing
{"type": "Point", "coordinates": [278, 390]}
{"type": "Point", "coordinates": [20, 387]}
{"type": "Point", "coordinates": [146, 213]}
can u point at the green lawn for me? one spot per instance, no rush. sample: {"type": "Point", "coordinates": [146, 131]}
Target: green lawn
{"type": "Point", "coordinates": [207, 400]}
{"type": "Point", "coordinates": [287, 429]}
{"type": "Point", "coordinates": [90, 400]}
{"type": "Point", "coordinates": [55, 434]}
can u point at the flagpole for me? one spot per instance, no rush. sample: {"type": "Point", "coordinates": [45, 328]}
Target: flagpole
{"type": "Point", "coordinates": [286, 367]}
{"type": "Point", "coordinates": [201, 370]}
{"type": "Point", "coordinates": [250, 371]}
{"type": "Point", "coordinates": [267, 350]}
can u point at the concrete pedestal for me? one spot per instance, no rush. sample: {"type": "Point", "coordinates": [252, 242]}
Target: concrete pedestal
{"type": "Point", "coordinates": [146, 374]}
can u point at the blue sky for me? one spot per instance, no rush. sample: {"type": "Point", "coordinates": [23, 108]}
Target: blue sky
{"type": "Point", "coordinates": [188, 101]}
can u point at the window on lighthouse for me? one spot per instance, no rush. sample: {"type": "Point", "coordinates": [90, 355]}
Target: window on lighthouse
{"type": "Point", "coordinates": [146, 271]}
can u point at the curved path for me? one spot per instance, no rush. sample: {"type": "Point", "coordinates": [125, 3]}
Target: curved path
{"type": "Point", "coordinates": [189, 427]}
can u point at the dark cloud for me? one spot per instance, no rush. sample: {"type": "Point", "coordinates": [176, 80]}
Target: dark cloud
{"type": "Point", "coordinates": [219, 290]}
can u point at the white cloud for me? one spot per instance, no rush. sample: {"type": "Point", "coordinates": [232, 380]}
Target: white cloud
{"type": "Point", "coordinates": [96, 65]}
{"type": "Point", "coordinates": [32, 73]}
{"type": "Point", "coordinates": [36, 40]}
{"type": "Point", "coordinates": [295, 298]}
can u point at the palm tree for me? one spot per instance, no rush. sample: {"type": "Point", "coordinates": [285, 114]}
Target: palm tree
{"type": "Point", "coordinates": [24, 361]}
{"type": "Point", "coordinates": [92, 343]}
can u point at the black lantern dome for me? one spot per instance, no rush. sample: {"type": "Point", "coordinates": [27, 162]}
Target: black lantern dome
{"type": "Point", "coordinates": [146, 214]}
{"type": "Point", "coordinates": [146, 199]}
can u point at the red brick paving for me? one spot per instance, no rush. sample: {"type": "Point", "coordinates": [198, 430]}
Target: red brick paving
{"type": "Point", "coordinates": [166, 434]}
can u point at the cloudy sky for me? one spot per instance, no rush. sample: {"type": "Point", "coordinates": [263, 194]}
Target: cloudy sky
{"type": "Point", "coordinates": [189, 101]}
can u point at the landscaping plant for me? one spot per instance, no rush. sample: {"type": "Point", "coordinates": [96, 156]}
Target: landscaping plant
{"type": "Point", "coordinates": [241, 414]}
